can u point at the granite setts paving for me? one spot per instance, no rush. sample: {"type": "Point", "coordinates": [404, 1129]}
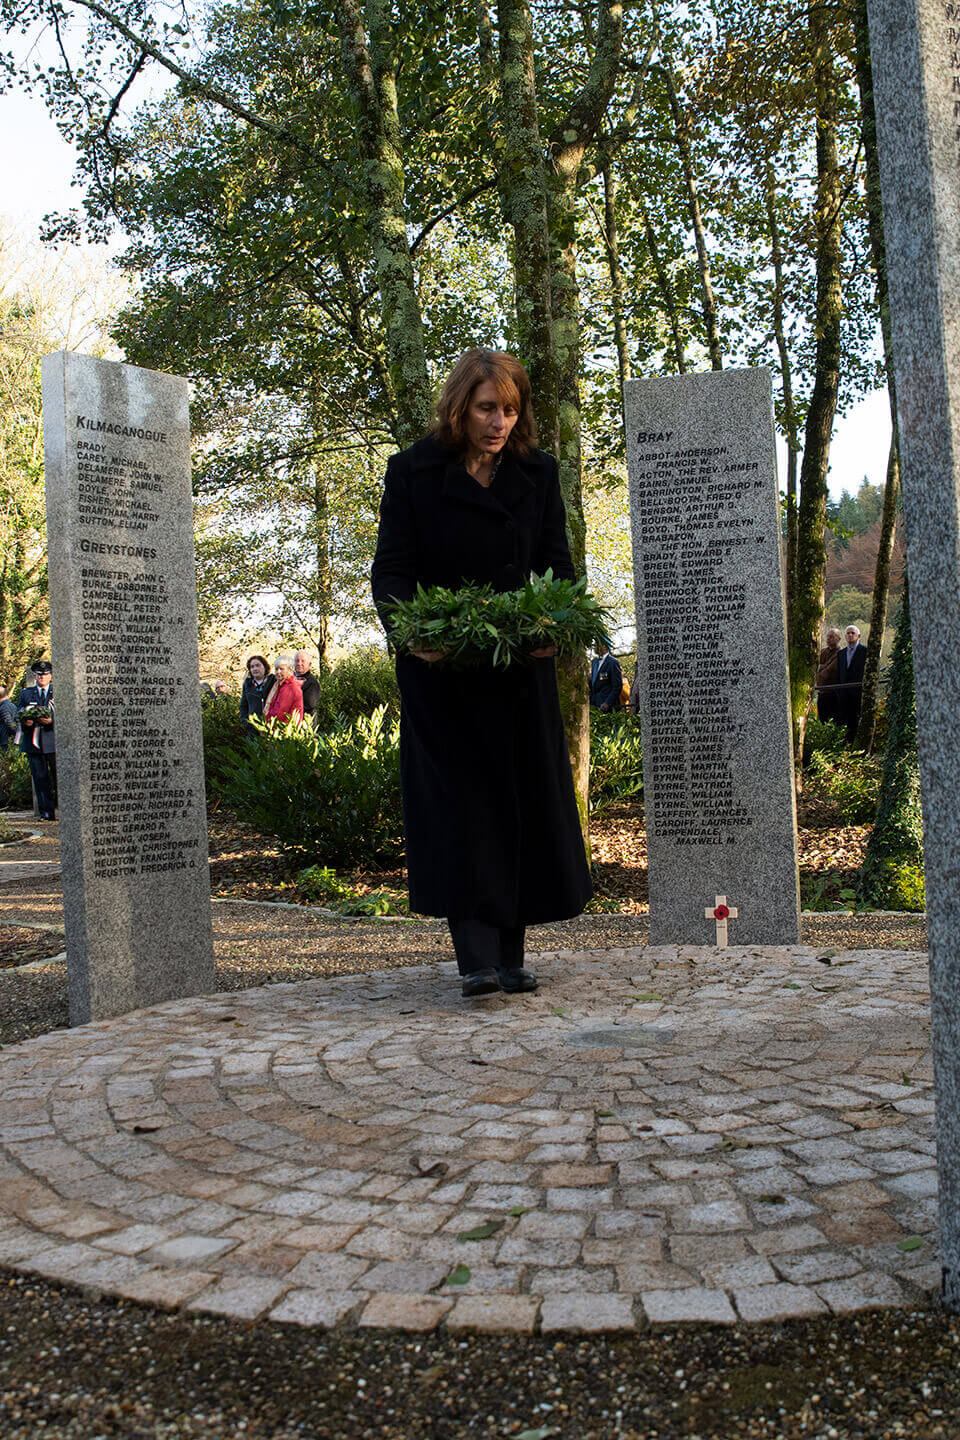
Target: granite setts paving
{"type": "Point", "coordinates": [660, 1135]}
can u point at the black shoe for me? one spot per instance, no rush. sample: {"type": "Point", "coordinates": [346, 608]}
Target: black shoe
{"type": "Point", "coordinates": [481, 982]}
{"type": "Point", "coordinates": [517, 982]}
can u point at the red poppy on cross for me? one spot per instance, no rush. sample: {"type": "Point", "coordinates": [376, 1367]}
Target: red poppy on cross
{"type": "Point", "coordinates": [721, 912]}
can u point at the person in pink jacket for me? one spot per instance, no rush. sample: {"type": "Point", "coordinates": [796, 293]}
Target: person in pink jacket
{"type": "Point", "coordinates": [286, 697]}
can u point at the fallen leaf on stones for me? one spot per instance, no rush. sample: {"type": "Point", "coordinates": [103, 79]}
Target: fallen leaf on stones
{"type": "Point", "coordinates": [432, 1374]}
{"type": "Point", "coordinates": [905, 1080]}
{"type": "Point", "coordinates": [604, 1114]}
{"type": "Point", "coordinates": [146, 1129]}
{"type": "Point", "coordinates": [731, 1142]}
{"type": "Point", "coordinates": [518, 1210]}
{"type": "Point", "coordinates": [773, 1199]}
{"type": "Point", "coordinates": [539, 1434]}
{"type": "Point", "coordinates": [564, 1013]}
{"type": "Point", "coordinates": [913, 1243]}
{"type": "Point", "coordinates": [459, 1275]}
{"type": "Point", "coordinates": [428, 1167]}
{"type": "Point", "coordinates": [482, 1232]}
{"type": "Point", "coordinates": [789, 985]}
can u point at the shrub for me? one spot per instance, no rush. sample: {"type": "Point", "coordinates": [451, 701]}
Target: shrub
{"type": "Point", "coordinates": [321, 884]}
{"type": "Point", "coordinates": [616, 762]}
{"type": "Point", "coordinates": [15, 789]}
{"type": "Point", "coordinates": [224, 738]}
{"type": "Point", "coordinates": [852, 783]}
{"type": "Point", "coordinates": [361, 683]}
{"type": "Point", "coordinates": [823, 738]}
{"type": "Point", "coordinates": [330, 799]}
{"type": "Point", "coordinates": [897, 885]}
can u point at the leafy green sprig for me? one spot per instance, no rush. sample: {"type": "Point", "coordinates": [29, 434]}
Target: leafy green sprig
{"type": "Point", "coordinates": [475, 625]}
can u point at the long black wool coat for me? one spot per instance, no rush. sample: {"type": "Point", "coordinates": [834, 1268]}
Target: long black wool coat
{"type": "Point", "coordinates": [492, 829]}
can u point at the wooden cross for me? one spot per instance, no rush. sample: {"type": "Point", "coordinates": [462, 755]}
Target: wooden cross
{"type": "Point", "coordinates": [721, 912]}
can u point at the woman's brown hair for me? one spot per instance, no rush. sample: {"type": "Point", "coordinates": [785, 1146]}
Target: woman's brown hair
{"type": "Point", "coordinates": [264, 662]}
{"type": "Point", "coordinates": [513, 387]}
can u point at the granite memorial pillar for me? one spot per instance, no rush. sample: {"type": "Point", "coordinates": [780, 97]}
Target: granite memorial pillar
{"type": "Point", "coordinates": [711, 643]}
{"type": "Point", "coordinates": [123, 615]}
{"type": "Point", "coordinates": [915, 47]}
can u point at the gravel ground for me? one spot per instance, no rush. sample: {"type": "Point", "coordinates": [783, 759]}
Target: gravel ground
{"type": "Point", "coordinates": [73, 1368]}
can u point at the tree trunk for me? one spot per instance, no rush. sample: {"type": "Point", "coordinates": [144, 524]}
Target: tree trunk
{"type": "Point", "coordinates": [617, 286]}
{"type": "Point", "coordinates": [881, 590]}
{"type": "Point", "coordinates": [541, 208]}
{"type": "Point", "coordinates": [370, 69]}
{"type": "Point", "coordinates": [524, 193]}
{"type": "Point", "coordinates": [321, 511]}
{"type": "Point", "coordinates": [891, 494]}
{"type": "Point", "coordinates": [789, 409]}
{"type": "Point", "coordinates": [892, 874]}
{"type": "Point", "coordinates": [807, 617]}
{"type": "Point", "coordinates": [682, 137]}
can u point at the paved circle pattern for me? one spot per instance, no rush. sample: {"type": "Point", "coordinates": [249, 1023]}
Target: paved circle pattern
{"type": "Point", "coordinates": [659, 1135]}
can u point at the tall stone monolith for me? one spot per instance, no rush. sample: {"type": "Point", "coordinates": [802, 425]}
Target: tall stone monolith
{"type": "Point", "coordinates": [714, 708]}
{"type": "Point", "coordinates": [915, 47]}
{"type": "Point", "coordinates": [123, 612]}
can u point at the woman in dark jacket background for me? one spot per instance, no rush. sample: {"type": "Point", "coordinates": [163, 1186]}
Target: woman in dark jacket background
{"type": "Point", "coordinates": [257, 684]}
{"type": "Point", "coordinates": [492, 831]}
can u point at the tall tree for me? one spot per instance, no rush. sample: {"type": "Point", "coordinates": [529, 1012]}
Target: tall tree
{"type": "Point", "coordinates": [891, 492]}
{"type": "Point", "coordinates": [807, 615]}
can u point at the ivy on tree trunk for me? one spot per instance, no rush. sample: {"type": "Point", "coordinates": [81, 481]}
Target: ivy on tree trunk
{"type": "Point", "coordinates": [892, 874]}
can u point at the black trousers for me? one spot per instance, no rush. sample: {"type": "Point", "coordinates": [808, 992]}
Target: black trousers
{"type": "Point", "coordinates": [43, 768]}
{"type": "Point", "coordinates": [481, 946]}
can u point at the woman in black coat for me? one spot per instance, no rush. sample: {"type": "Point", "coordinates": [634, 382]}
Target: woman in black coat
{"type": "Point", "coordinates": [256, 687]}
{"type": "Point", "coordinates": [492, 831]}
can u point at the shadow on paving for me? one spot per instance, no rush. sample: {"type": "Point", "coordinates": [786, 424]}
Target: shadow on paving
{"type": "Point", "coordinates": [73, 1367]}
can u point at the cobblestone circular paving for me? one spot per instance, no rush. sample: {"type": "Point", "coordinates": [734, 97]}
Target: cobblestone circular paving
{"type": "Point", "coordinates": [659, 1135]}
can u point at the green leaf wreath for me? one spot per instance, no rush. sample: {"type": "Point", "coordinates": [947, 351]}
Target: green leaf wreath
{"type": "Point", "coordinates": [477, 626]}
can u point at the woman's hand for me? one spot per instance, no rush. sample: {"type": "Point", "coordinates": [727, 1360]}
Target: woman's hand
{"type": "Point", "coordinates": [431, 656]}
{"type": "Point", "coordinates": [546, 652]}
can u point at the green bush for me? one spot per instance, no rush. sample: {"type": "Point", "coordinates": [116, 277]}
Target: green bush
{"type": "Point", "coordinates": [361, 683]}
{"type": "Point", "coordinates": [329, 798]}
{"type": "Point", "coordinates": [823, 738]}
{"type": "Point", "coordinates": [224, 738]}
{"type": "Point", "coordinates": [897, 885]}
{"type": "Point", "coordinates": [322, 885]}
{"type": "Point", "coordinates": [616, 762]}
{"type": "Point", "coordinates": [15, 789]}
{"type": "Point", "coordinates": [852, 783]}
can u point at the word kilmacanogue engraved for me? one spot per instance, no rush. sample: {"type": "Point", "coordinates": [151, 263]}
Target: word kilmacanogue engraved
{"type": "Point", "coordinates": [717, 753]}
{"type": "Point", "coordinates": [124, 638]}
{"type": "Point", "coordinates": [915, 47]}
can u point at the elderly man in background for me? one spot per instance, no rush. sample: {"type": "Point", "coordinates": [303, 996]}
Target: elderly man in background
{"type": "Point", "coordinates": [850, 663]}
{"type": "Point", "coordinates": [285, 699]}
{"type": "Point", "coordinates": [828, 700]}
{"type": "Point", "coordinates": [309, 684]}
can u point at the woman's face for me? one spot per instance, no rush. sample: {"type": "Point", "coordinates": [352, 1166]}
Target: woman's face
{"type": "Point", "coordinates": [489, 421]}
{"type": "Point", "coordinates": [257, 670]}
{"type": "Point", "coordinates": [282, 670]}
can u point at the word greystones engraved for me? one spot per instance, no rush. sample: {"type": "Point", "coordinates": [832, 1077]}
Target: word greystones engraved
{"type": "Point", "coordinates": [916, 70]}
{"type": "Point", "coordinates": [123, 612]}
{"type": "Point", "coordinates": [717, 747]}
